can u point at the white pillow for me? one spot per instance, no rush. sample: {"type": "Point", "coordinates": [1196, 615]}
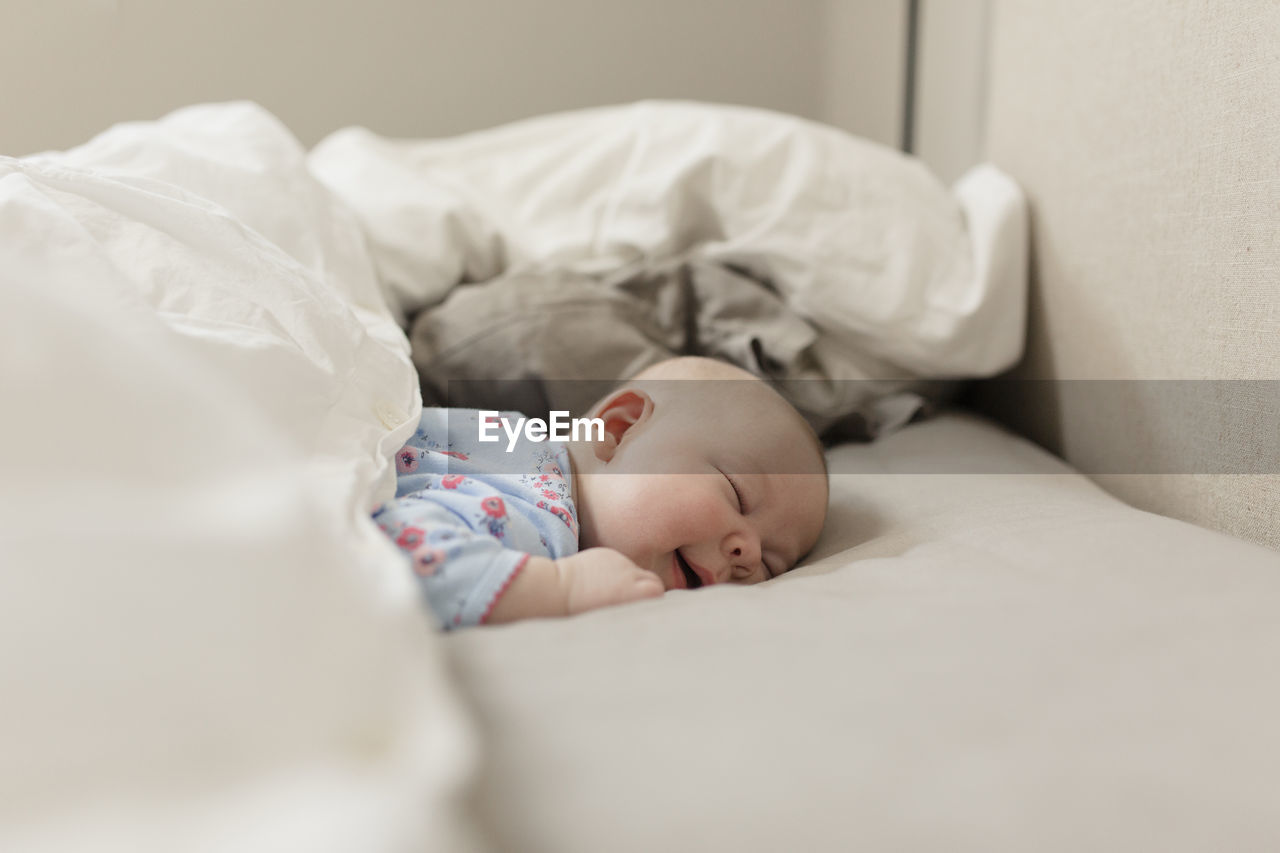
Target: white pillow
{"type": "Point", "coordinates": [211, 645]}
{"type": "Point", "coordinates": [862, 241]}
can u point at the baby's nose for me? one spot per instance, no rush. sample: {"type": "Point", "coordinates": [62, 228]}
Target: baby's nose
{"type": "Point", "coordinates": [742, 549]}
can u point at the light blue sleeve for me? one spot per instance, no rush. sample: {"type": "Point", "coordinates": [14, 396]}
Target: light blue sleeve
{"type": "Point", "coordinates": [468, 514]}
{"type": "Point", "coordinates": [462, 572]}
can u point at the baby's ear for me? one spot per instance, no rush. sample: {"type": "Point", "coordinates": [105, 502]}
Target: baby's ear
{"type": "Point", "coordinates": [620, 411]}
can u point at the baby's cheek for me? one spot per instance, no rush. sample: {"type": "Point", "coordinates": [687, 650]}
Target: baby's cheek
{"type": "Point", "coordinates": [694, 516]}
{"type": "Point", "coordinates": [654, 516]}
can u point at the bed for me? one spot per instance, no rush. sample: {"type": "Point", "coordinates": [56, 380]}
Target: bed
{"type": "Point", "coordinates": [209, 362]}
{"type": "Point", "coordinates": [986, 651]}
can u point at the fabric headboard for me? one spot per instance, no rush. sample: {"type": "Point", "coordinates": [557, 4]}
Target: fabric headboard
{"type": "Point", "coordinates": [1147, 137]}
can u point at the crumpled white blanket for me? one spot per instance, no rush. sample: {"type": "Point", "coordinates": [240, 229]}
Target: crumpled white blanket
{"type": "Point", "coordinates": [900, 276]}
{"type": "Point", "coordinates": [209, 646]}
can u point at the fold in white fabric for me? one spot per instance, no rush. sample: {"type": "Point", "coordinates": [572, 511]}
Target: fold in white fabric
{"type": "Point", "coordinates": [861, 240]}
{"type": "Point", "coordinates": [209, 644]}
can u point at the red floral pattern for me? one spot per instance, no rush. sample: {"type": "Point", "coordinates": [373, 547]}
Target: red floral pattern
{"type": "Point", "coordinates": [427, 560]}
{"type": "Point", "coordinates": [410, 538]}
{"type": "Point", "coordinates": [407, 460]}
{"type": "Point", "coordinates": [562, 514]}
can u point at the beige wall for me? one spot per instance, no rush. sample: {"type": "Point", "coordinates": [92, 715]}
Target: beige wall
{"type": "Point", "coordinates": [413, 68]}
{"type": "Point", "coordinates": [864, 79]}
{"type": "Point", "coordinates": [1147, 136]}
{"type": "Point", "coordinates": [951, 85]}
{"type": "Point", "coordinates": [69, 68]}
{"type": "Point", "coordinates": [863, 47]}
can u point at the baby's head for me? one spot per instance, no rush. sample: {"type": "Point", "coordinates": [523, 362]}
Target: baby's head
{"type": "Point", "coordinates": [705, 475]}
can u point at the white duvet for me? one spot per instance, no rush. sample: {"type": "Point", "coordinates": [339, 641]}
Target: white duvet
{"type": "Point", "coordinates": [208, 644]}
{"type": "Point", "coordinates": [862, 241]}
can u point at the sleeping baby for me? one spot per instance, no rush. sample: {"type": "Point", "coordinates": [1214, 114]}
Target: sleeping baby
{"type": "Point", "coordinates": [682, 484]}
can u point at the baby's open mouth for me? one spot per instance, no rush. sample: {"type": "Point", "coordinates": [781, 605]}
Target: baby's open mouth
{"type": "Point", "coordinates": [690, 576]}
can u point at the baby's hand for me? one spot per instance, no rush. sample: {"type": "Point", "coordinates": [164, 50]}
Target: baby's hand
{"type": "Point", "coordinates": [601, 577]}
{"type": "Point", "coordinates": [596, 577]}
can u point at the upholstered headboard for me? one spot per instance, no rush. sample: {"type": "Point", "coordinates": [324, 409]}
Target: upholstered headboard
{"type": "Point", "coordinates": [1147, 137]}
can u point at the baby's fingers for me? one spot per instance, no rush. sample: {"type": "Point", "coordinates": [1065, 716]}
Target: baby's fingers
{"type": "Point", "coordinates": [647, 584]}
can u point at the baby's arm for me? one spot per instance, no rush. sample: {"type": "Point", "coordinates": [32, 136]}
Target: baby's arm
{"type": "Point", "coordinates": [471, 578]}
{"type": "Point", "coordinates": [596, 577]}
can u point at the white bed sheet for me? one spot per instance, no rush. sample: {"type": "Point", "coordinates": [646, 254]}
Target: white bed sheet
{"type": "Point", "coordinates": [993, 656]}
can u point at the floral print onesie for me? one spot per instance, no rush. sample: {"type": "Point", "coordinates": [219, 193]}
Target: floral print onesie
{"type": "Point", "coordinates": [468, 513]}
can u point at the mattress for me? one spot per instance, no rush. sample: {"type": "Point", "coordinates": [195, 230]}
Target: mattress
{"type": "Point", "coordinates": [985, 651]}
